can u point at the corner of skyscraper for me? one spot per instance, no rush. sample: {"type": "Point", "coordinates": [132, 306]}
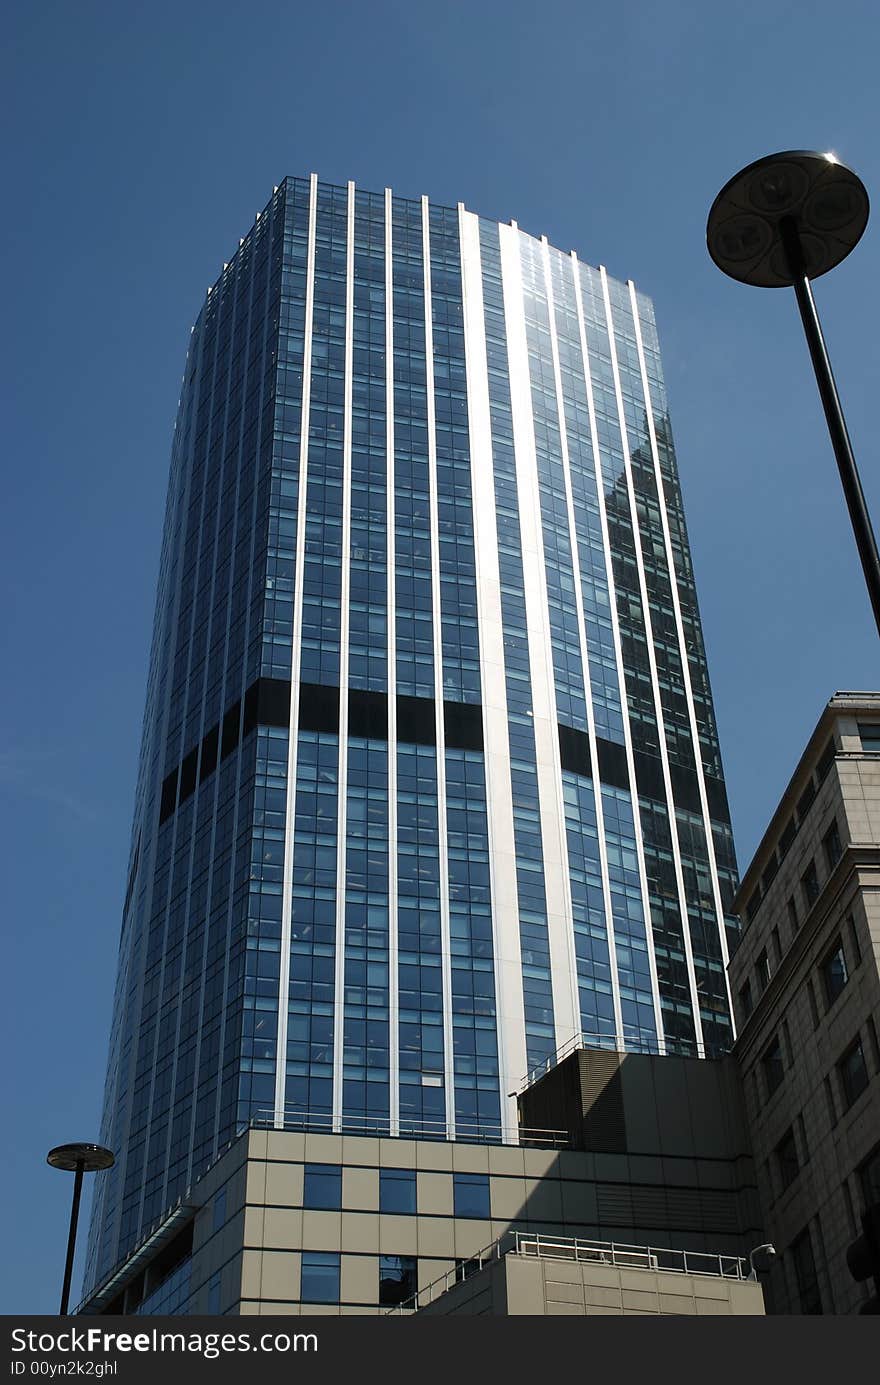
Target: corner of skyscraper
{"type": "Point", "coordinates": [430, 788]}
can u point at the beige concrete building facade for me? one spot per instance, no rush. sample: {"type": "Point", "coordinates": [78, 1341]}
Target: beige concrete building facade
{"type": "Point", "coordinates": [806, 987]}
{"type": "Point", "coordinates": [538, 1277]}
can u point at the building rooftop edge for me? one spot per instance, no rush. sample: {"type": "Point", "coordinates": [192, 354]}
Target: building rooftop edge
{"type": "Point", "coordinates": [841, 701]}
{"type": "Point", "coordinates": [444, 206]}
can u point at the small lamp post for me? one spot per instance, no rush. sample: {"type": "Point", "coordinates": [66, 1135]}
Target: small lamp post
{"type": "Point", "coordinates": [76, 1159]}
{"type": "Point", "coordinates": [779, 223]}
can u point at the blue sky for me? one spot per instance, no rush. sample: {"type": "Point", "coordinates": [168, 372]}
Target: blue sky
{"type": "Point", "coordinates": [141, 141]}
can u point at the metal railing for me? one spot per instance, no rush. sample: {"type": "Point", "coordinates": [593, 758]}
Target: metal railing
{"type": "Point", "coordinates": [647, 1043]}
{"type": "Point", "coordinates": [486, 1132]}
{"type": "Point", "coordinates": [610, 1253]}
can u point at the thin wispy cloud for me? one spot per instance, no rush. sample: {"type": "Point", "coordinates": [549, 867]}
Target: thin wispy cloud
{"type": "Point", "coordinates": [27, 773]}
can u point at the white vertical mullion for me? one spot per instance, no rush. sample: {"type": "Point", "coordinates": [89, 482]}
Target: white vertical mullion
{"type": "Point", "coordinates": [618, 654]}
{"type": "Point", "coordinates": [547, 759]}
{"type": "Point", "coordinates": [685, 666]}
{"type": "Point", "coordinates": [585, 672]}
{"type": "Point", "coordinates": [391, 644]}
{"type": "Point", "coordinates": [436, 618]}
{"type": "Point", "coordinates": [295, 665]}
{"type": "Point", "coordinates": [507, 953]}
{"type": "Point", "coordinates": [652, 662]}
{"type": "Point", "coordinates": [344, 627]}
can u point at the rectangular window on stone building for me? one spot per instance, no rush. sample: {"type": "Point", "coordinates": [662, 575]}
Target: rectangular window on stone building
{"type": "Point", "coordinates": [869, 1178]}
{"type": "Point", "coordinates": [831, 846]}
{"type": "Point", "coordinates": [834, 973]}
{"type": "Point", "coordinates": [810, 885]}
{"type": "Point", "coordinates": [746, 1004]}
{"type": "Point", "coordinates": [793, 916]}
{"type": "Point", "coordinates": [854, 935]}
{"type": "Point", "coordinates": [869, 735]}
{"type": "Point", "coordinates": [772, 1065]}
{"type": "Point", "coordinates": [804, 1264]}
{"type": "Point", "coordinates": [787, 1163]}
{"type": "Point", "coordinates": [853, 1073]}
{"type": "Point", "coordinates": [762, 969]}
{"type": "Point", "coordinates": [777, 946]}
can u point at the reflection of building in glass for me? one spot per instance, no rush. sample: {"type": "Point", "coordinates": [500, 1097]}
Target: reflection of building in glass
{"type": "Point", "coordinates": [422, 479]}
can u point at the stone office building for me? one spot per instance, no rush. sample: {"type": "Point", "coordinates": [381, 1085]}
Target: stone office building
{"type": "Point", "coordinates": [807, 994]}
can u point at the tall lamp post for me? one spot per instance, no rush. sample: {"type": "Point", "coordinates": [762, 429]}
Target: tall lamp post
{"type": "Point", "coordinates": [76, 1159]}
{"type": "Point", "coordinates": [779, 223]}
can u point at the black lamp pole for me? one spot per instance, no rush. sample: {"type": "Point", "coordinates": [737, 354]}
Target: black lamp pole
{"type": "Point", "coordinates": [76, 1159]}
{"type": "Point", "coordinates": [779, 223]}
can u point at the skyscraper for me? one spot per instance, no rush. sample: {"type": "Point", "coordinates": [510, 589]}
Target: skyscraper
{"type": "Point", "coordinates": [429, 782]}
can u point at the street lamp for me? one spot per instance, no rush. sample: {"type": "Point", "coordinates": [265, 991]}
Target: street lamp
{"type": "Point", "coordinates": [779, 223]}
{"type": "Point", "coordinates": [76, 1159]}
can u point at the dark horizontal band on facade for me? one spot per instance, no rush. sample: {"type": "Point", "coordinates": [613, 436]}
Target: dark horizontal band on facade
{"type": "Point", "coordinates": [267, 703]}
{"type": "Point", "coordinates": [574, 752]}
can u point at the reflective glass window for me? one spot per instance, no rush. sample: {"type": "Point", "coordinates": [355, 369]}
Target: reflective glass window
{"type": "Point", "coordinates": [471, 1194]}
{"type": "Point", "coordinates": [322, 1187]}
{"type": "Point", "coordinates": [397, 1190]}
{"type": "Point", "coordinates": [320, 1277]}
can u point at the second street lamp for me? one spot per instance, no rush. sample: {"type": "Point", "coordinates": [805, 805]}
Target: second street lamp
{"type": "Point", "coordinates": [779, 223]}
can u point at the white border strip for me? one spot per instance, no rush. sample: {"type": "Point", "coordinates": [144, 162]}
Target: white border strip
{"type": "Point", "coordinates": [566, 1012]}
{"type": "Point", "coordinates": [436, 617]}
{"type": "Point", "coordinates": [509, 1004]}
{"type": "Point", "coordinates": [391, 645]}
{"type": "Point", "coordinates": [295, 665]}
{"type": "Point", "coordinates": [344, 629]}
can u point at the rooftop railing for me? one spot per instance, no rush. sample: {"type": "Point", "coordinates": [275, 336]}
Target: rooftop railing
{"type": "Point", "coordinates": [485, 1132]}
{"type": "Point", "coordinates": [608, 1253]}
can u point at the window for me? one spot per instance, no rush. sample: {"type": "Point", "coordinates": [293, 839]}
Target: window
{"type": "Point", "coordinates": [214, 1295]}
{"type": "Point", "coordinates": [854, 935]}
{"type": "Point", "coordinates": [397, 1190]}
{"type": "Point", "coordinates": [826, 760]}
{"type": "Point", "coordinates": [787, 1164]}
{"type": "Point", "coordinates": [320, 1276]}
{"type": "Point", "coordinates": [322, 1188]}
{"type": "Point", "coordinates": [834, 973]}
{"type": "Point", "coordinates": [810, 885]}
{"type": "Point", "coordinates": [793, 916]}
{"type": "Point", "coordinates": [869, 1178]}
{"type": "Point", "coordinates": [762, 969]}
{"type": "Point", "coordinates": [219, 1211]}
{"type": "Point", "coordinates": [398, 1279]}
{"type": "Point", "coordinates": [771, 1062]}
{"type": "Point", "coordinates": [746, 1004]}
{"type": "Point", "coordinates": [753, 905]}
{"type": "Point", "coordinates": [777, 946]}
{"type": "Point", "coordinates": [831, 846]}
{"type": "Point", "coordinates": [853, 1073]}
{"type": "Point", "coordinates": [829, 1099]}
{"type": "Point", "coordinates": [470, 1194]}
{"type": "Point", "coordinates": [805, 1273]}
{"type": "Point", "coordinates": [869, 735]}
{"type": "Point", "coordinates": [806, 799]}
{"type": "Point", "coordinates": [814, 1008]}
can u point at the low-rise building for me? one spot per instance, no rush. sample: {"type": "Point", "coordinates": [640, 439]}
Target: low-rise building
{"type": "Point", "coordinates": [806, 986]}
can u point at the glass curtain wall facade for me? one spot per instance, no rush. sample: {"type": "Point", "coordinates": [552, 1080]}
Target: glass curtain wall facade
{"type": "Point", "coordinates": [430, 783]}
